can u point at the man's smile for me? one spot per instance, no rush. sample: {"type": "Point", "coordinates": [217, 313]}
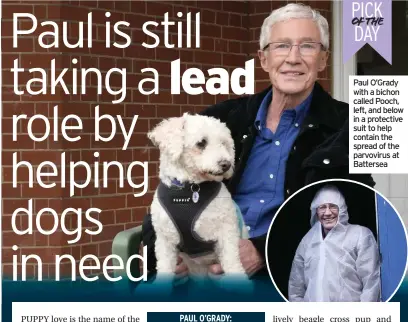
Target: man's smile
{"type": "Point", "coordinates": [329, 220]}
{"type": "Point", "coordinates": [292, 73]}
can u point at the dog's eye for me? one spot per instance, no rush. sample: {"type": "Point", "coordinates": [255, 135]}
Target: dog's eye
{"type": "Point", "coordinates": [202, 144]}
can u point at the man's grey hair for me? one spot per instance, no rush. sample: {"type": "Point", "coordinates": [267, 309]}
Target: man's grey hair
{"type": "Point", "coordinates": [294, 11]}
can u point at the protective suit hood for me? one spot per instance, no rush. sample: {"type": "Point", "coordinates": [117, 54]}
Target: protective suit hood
{"type": "Point", "coordinates": [329, 194]}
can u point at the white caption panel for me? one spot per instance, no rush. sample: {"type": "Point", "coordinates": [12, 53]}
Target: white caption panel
{"type": "Point", "coordinates": [378, 133]}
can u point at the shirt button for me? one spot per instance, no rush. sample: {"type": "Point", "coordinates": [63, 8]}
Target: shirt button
{"type": "Point", "coordinates": [244, 136]}
{"type": "Point", "coordinates": [259, 127]}
{"type": "Point", "coordinates": [326, 161]}
{"type": "Point", "coordinates": [271, 176]}
{"type": "Point", "coordinates": [288, 192]}
{"type": "Point", "coordinates": [310, 125]}
{"type": "Point", "coordinates": [294, 148]}
{"type": "Point", "coordinates": [248, 228]}
{"type": "Point", "coordinates": [277, 143]}
{"type": "Point", "coordinates": [261, 201]}
{"type": "Point", "coordinates": [297, 124]}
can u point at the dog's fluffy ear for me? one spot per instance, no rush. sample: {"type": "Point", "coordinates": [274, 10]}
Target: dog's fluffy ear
{"type": "Point", "coordinates": [168, 136]}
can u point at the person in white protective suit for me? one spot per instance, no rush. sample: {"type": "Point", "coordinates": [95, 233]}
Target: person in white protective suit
{"type": "Point", "coordinates": [335, 261]}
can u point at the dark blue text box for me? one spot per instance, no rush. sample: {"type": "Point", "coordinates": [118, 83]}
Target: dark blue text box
{"type": "Point", "coordinates": [205, 316]}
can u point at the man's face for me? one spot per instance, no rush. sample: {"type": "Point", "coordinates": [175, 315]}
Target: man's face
{"type": "Point", "coordinates": [328, 215]}
{"type": "Point", "coordinates": [294, 73]}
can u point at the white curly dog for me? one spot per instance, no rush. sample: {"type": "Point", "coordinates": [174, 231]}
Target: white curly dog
{"type": "Point", "coordinates": [196, 154]}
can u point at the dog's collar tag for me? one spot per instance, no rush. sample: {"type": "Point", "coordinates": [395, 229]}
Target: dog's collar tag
{"type": "Point", "coordinates": [195, 188]}
{"type": "Point", "coordinates": [196, 196]}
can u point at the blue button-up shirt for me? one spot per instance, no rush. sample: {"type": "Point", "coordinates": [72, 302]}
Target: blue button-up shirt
{"type": "Point", "coordinates": [261, 190]}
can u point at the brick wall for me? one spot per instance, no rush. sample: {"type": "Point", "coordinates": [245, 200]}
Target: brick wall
{"type": "Point", "coordinates": [229, 34]}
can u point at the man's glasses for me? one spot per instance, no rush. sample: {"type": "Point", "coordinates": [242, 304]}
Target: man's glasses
{"type": "Point", "coordinates": [307, 48]}
{"type": "Point", "coordinates": [323, 208]}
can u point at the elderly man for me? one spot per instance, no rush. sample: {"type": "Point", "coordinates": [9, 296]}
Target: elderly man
{"type": "Point", "coordinates": [335, 261]}
{"type": "Point", "coordinates": [287, 136]}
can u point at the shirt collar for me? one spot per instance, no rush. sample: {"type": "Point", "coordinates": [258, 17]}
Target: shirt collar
{"type": "Point", "coordinates": [300, 110]}
{"type": "Point", "coordinates": [263, 109]}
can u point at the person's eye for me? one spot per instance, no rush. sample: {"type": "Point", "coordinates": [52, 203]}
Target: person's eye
{"type": "Point", "coordinates": [325, 207]}
{"type": "Point", "coordinates": [308, 46]}
{"type": "Point", "coordinates": [282, 46]}
{"type": "Point", "coordinates": [202, 144]}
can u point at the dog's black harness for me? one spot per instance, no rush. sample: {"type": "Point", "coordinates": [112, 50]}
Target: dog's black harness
{"type": "Point", "coordinates": [184, 212]}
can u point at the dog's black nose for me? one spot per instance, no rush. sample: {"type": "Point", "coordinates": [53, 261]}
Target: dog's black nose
{"type": "Point", "coordinates": [225, 165]}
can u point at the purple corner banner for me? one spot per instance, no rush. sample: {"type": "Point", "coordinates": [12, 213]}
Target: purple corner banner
{"type": "Point", "coordinates": [367, 21]}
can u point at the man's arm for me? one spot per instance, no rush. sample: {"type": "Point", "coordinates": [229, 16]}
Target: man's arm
{"type": "Point", "coordinates": [368, 267]}
{"type": "Point", "coordinates": [336, 149]}
{"type": "Point", "coordinates": [260, 244]}
{"type": "Point", "coordinates": [251, 259]}
{"type": "Point", "coordinates": [297, 285]}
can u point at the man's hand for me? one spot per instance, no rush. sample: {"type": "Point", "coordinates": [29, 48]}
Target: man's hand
{"type": "Point", "coordinates": [249, 256]}
{"type": "Point", "coordinates": [181, 268]}
{"type": "Point", "coordinates": [181, 271]}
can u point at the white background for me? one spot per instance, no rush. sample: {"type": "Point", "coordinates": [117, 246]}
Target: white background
{"type": "Point", "coordinates": [325, 310]}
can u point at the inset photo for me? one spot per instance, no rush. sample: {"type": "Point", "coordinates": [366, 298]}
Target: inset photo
{"type": "Point", "coordinates": [337, 241]}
